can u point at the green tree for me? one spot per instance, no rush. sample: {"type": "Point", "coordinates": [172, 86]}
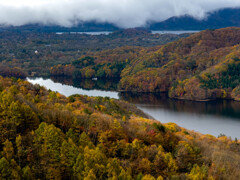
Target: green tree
{"type": "Point", "coordinates": [8, 150]}
{"type": "Point", "coordinates": [85, 141]}
{"type": "Point", "coordinates": [95, 160]}
{"type": "Point", "coordinates": [90, 176]}
{"type": "Point", "coordinates": [5, 169]}
{"type": "Point", "coordinates": [78, 167]}
{"type": "Point", "coordinates": [69, 153]}
{"type": "Point", "coordinates": [27, 173]}
{"type": "Point", "coordinates": [125, 175]}
{"type": "Point", "coordinates": [48, 141]}
{"type": "Point", "coordinates": [198, 173]}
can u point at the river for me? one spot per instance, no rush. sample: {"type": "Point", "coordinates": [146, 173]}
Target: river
{"type": "Point", "coordinates": [213, 117]}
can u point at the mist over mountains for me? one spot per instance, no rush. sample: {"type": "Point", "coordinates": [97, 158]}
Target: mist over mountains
{"type": "Point", "coordinates": [228, 17]}
{"type": "Point", "coordinates": [218, 19]}
{"type": "Point", "coordinates": [123, 14]}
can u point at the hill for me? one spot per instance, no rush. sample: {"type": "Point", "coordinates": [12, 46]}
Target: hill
{"type": "Point", "coordinates": [36, 52]}
{"type": "Point", "coordinates": [202, 66]}
{"type": "Point", "coordinates": [81, 27]}
{"type": "Point", "coordinates": [218, 19]}
{"type": "Point", "coordinates": [45, 135]}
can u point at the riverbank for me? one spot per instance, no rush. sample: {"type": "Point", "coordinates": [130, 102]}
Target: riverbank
{"type": "Point", "coordinates": [208, 117]}
{"type": "Point", "coordinates": [99, 137]}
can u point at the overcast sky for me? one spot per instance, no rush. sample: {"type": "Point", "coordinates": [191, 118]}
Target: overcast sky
{"type": "Point", "coordinates": [123, 13]}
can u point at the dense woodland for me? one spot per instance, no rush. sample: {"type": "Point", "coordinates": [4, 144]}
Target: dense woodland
{"type": "Point", "coordinates": [205, 65]}
{"type": "Point", "coordinates": [44, 135]}
{"type": "Point", "coordinates": [34, 53]}
{"type": "Point", "coordinates": [202, 66]}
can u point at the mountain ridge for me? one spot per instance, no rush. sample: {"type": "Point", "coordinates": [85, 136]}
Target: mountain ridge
{"type": "Point", "coordinates": [202, 66]}
{"type": "Point", "coordinates": [218, 19]}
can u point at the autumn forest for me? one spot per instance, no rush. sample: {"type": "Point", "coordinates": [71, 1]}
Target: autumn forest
{"type": "Point", "coordinates": [45, 135]}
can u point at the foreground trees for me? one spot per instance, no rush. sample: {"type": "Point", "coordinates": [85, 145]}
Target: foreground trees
{"type": "Point", "coordinates": [45, 135]}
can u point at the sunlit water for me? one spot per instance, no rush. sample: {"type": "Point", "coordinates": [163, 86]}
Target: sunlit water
{"type": "Point", "coordinates": [68, 90]}
{"type": "Point", "coordinates": [215, 117]}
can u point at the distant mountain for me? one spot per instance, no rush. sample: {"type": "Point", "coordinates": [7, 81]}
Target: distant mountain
{"type": "Point", "coordinates": [81, 27]}
{"type": "Point", "coordinates": [219, 19]}
{"type": "Point", "coordinates": [215, 20]}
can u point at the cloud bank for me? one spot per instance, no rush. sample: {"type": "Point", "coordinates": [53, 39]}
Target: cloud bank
{"type": "Point", "coordinates": [124, 13]}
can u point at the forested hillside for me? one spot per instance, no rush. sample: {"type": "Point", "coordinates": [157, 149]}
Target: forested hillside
{"type": "Point", "coordinates": [34, 53]}
{"type": "Point", "coordinates": [203, 66]}
{"type": "Point", "coordinates": [44, 135]}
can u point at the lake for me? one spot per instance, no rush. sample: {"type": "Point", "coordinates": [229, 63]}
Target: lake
{"type": "Point", "coordinates": [109, 32]}
{"type": "Point", "coordinates": [213, 117]}
{"type": "Point", "coordinates": [174, 32]}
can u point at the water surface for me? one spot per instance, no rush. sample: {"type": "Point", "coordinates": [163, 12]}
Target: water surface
{"type": "Point", "coordinates": [69, 90]}
{"type": "Point", "coordinates": [109, 32]}
{"type": "Point", "coordinates": [214, 117]}
{"type": "Point", "coordinates": [174, 32]}
{"type": "Point", "coordinates": [88, 33]}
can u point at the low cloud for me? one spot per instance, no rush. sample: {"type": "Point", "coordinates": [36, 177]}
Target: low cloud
{"type": "Point", "coordinates": [124, 13]}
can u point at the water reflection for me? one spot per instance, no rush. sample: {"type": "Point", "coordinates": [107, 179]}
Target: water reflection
{"type": "Point", "coordinates": [225, 108]}
{"type": "Point", "coordinates": [68, 90]}
{"type": "Point", "coordinates": [213, 117]}
{"type": "Point", "coordinates": [88, 84]}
